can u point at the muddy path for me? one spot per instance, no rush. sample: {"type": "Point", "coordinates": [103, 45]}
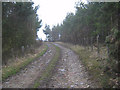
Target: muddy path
{"type": "Point", "coordinates": [26, 77]}
{"type": "Point", "coordinates": [70, 73]}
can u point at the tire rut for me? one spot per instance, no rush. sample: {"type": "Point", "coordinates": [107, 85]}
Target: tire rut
{"type": "Point", "coordinates": [70, 73]}
{"type": "Point", "coordinates": [26, 77]}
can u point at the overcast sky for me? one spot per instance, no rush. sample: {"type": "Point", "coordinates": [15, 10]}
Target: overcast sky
{"type": "Point", "coordinates": [53, 12]}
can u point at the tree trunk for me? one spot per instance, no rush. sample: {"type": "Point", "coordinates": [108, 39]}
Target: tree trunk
{"type": "Point", "coordinates": [91, 43]}
{"type": "Point", "coordinates": [98, 48]}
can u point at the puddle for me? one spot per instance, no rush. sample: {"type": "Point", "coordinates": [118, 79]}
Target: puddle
{"type": "Point", "coordinates": [81, 83]}
{"type": "Point", "coordinates": [62, 70]}
{"type": "Point", "coordinates": [72, 86]}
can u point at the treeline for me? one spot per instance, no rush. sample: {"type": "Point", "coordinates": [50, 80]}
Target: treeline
{"type": "Point", "coordinates": [89, 21]}
{"type": "Point", "coordinates": [20, 24]}
{"type": "Point", "coordinates": [93, 23]}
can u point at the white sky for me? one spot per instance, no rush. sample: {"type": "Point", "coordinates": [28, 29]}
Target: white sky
{"type": "Point", "coordinates": [53, 12]}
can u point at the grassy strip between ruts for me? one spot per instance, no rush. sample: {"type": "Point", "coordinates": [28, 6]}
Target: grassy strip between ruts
{"type": "Point", "coordinates": [11, 70]}
{"type": "Point", "coordinates": [93, 63]}
{"type": "Point", "coordinates": [48, 71]}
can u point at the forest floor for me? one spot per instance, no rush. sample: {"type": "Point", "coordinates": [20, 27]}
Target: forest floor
{"type": "Point", "coordinates": [68, 73]}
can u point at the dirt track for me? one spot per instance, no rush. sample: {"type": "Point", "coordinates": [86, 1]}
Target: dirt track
{"type": "Point", "coordinates": [69, 72]}
{"type": "Point", "coordinates": [25, 78]}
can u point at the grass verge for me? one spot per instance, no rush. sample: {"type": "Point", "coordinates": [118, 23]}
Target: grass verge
{"type": "Point", "coordinates": [94, 64]}
{"type": "Point", "coordinates": [48, 71]}
{"type": "Point", "coordinates": [13, 69]}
